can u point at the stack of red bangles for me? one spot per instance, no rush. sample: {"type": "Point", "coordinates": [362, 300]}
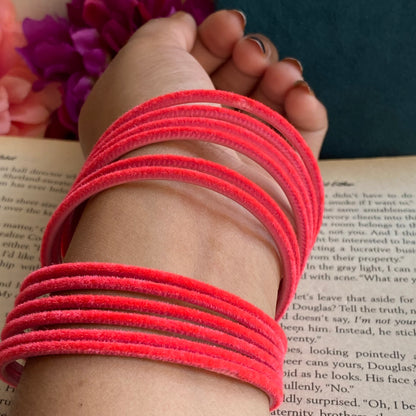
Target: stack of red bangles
{"type": "Point", "coordinates": [216, 330]}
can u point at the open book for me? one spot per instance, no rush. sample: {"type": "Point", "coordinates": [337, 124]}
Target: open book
{"type": "Point", "coordinates": [351, 328]}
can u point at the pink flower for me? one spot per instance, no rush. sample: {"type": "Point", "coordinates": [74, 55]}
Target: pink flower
{"type": "Point", "coordinates": [74, 52]}
{"type": "Point", "coordinates": [67, 52]}
{"type": "Point", "coordinates": [23, 112]}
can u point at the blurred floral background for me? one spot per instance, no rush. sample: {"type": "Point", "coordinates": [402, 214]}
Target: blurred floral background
{"type": "Point", "coordinates": [48, 66]}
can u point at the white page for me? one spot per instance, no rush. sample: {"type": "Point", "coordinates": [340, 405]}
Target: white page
{"type": "Point", "coordinates": [351, 327]}
{"type": "Point", "coordinates": [35, 175]}
{"type": "Point", "coordinates": [343, 347]}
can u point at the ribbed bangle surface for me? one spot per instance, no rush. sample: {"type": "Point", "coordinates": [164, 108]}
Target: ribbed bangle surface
{"type": "Point", "coordinates": [115, 309]}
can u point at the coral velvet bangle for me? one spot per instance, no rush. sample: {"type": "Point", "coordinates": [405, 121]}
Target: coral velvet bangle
{"type": "Point", "coordinates": [276, 146]}
{"type": "Point", "coordinates": [191, 323]}
{"type": "Point", "coordinates": [229, 335]}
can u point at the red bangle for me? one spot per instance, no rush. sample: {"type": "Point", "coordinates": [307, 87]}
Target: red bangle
{"type": "Point", "coordinates": [262, 150]}
{"type": "Point", "coordinates": [110, 147]}
{"type": "Point", "coordinates": [288, 142]}
{"type": "Point", "coordinates": [232, 100]}
{"type": "Point", "coordinates": [228, 335]}
{"type": "Point", "coordinates": [183, 313]}
{"type": "Point", "coordinates": [242, 342]}
{"type": "Point", "coordinates": [282, 236]}
{"type": "Point", "coordinates": [144, 346]}
{"type": "Point", "coordinates": [116, 277]}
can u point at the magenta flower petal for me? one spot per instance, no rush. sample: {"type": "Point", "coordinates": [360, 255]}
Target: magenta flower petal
{"type": "Point", "coordinates": [75, 51]}
{"type": "Point", "coordinates": [88, 44]}
{"type": "Point", "coordinates": [49, 44]}
{"type": "Point", "coordinates": [115, 35]}
{"type": "Point", "coordinates": [77, 89]}
{"type": "Point", "coordinates": [95, 62]}
{"type": "Point", "coordinates": [199, 9]}
{"type": "Point", "coordinates": [65, 120]}
{"type": "Point", "coordinates": [125, 12]}
{"type": "Point", "coordinates": [85, 39]}
{"type": "Point", "coordinates": [58, 72]}
{"type": "Point", "coordinates": [48, 28]}
{"type": "Point", "coordinates": [47, 54]}
{"type": "Point", "coordinates": [151, 9]}
{"type": "Point", "coordinates": [75, 11]}
{"type": "Point", "coordinates": [96, 13]}
{"type": "Point", "coordinates": [115, 21]}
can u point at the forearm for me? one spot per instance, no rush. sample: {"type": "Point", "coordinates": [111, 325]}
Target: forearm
{"type": "Point", "coordinates": [176, 227]}
{"type": "Point", "coordinates": [167, 226]}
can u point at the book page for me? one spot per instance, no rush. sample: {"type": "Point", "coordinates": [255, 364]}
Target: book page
{"type": "Point", "coordinates": [351, 328]}
{"type": "Point", "coordinates": [35, 175]}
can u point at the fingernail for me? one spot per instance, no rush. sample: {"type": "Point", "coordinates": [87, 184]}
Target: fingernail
{"type": "Point", "coordinates": [258, 42]}
{"type": "Point", "coordinates": [294, 62]}
{"type": "Point", "coordinates": [241, 15]}
{"type": "Point", "coordinates": [304, 85]}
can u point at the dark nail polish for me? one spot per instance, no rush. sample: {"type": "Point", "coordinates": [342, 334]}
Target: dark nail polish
{"type": "Point", "coordinates": [241, 15]}
{"type": "Point", "coordinates": [304, 85]}
{"type": "Point", "coordinates": [259, 42]}
{"type": "Point", "coordinates": [294, 62]}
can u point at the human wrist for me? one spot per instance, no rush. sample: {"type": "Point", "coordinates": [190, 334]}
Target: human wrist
{"type": "Point", "coordinates": [182, 229]}
{"type": "Point", "coordinates": [169, 118]}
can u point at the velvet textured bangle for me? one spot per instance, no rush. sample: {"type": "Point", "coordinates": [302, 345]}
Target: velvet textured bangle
{"type": "Point", "coordinates": [103, 304]}
{"type": "Point", "coordinates": [229, 335]}
{"type": "Point", "coordinates": [276, 146]}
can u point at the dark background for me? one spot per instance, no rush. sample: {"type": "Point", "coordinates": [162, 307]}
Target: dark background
{"type": "Point", "coordinates": [360, 59]}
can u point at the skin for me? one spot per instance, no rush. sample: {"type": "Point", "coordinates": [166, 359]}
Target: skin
{"type": "Point", "coordinates": [187, 230]}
